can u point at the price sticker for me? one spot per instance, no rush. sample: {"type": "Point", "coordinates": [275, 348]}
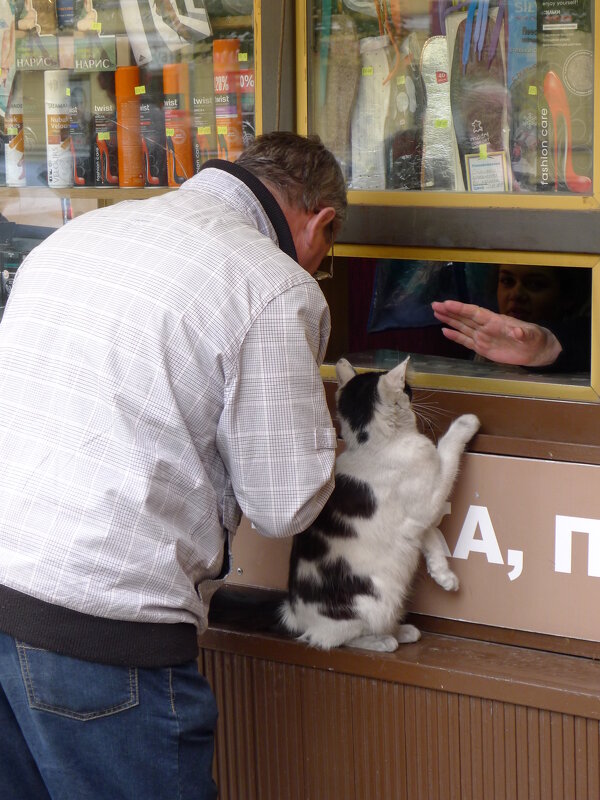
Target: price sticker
{"type": "Point", "coordinates": [483, 151]}
{"type": "Point", "coordinates": [140, 89]}
{"type": "Point", "coordinates": [103, 136]}
{"type": "Point", "coordinates": [367, 71]}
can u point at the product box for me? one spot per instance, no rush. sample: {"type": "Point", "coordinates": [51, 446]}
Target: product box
{"type": "Point", "coordinates": [565, 64]}
{"type": "Point", "coordinates": [103, 107]}
{"type": "Point", "coordinates": [81, 130]}
{"type": "Point", "coordinates": [94, 53]}
{"type": "Point", "coordinates": [33, 52]}
{"type": "Point", "coordinates": [202, 104]}
{"type": "Point", "coordinates": [152, 127]}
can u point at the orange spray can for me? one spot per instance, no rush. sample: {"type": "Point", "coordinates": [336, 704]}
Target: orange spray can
{"type": "Point", "coordinates": [228, 101]}
{"type": "Point", "coordinates": [178, 122]}
{"type": "Point", "coordinates": [129, 140]}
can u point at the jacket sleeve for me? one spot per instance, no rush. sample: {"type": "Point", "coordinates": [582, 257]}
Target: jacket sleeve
{"type": "Point", "coordinates": [275, 434]}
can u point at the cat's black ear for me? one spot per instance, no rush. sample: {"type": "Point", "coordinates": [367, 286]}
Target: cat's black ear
{"type": "Point", "coordinates": [395, 379]}
{"type": "Point", "coordinates": [344, 371]}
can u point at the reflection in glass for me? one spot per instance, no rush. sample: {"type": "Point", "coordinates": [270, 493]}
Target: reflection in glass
{"type": "Point", "coordinates": [123, 93]}
{"type": "Point", "coordinates": [381, 309]}
{"type": "Point", "coordinates": [470, 96]}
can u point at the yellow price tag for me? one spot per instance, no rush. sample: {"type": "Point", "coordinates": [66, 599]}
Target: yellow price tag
{"type": "Point", "coordinates": [242, 56]}
{"type": "Point", "coordinates": [68, 91]}
{"type": "Point", "coordinates": [533, 90]}
{"type": "Point", "coordinates": [170, 131]}
{"type": "Point", "coordinates": [12, 131]}
{"type": "Point", "coordinates": [401, 80]}
{"type": "Point", "coordinates": [222, 130]}
{"type": "Point", "coordinates": [441, 123]}
{"type": "Point", "coordinates": [483, 151]}
{"type": "Point", "coordinates": [104, 136]}
{"type": "Point", "coordinates": [204, 130]}
{"type": "Point", "coordinates": [97, 26]}
{"type": "Point", "coordinates": [140, 90]}
{"type": "Point", "coordinates": [367, 70]}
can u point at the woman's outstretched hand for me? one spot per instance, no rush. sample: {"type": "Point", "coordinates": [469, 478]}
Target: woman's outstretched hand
{"type": "Point", "coordinates": [496, 336]}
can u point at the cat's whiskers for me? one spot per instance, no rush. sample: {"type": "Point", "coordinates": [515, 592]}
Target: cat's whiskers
{"type": "Point", "coordinates": [425, 421]}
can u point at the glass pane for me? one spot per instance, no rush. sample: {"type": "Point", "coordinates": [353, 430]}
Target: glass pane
{"type": "Point", "coordinates": [475, 96]}
{"type": "Point", "coordinates": [122, 93]}
{"type": "Point", "coordinates": [381, 311]}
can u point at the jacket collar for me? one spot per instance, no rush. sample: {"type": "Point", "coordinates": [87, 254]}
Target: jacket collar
{"type": "Point", "coordinates": [268, 202]}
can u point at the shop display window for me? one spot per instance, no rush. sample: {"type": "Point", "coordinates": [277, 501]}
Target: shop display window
{"type": "Point", "coordinates": [447, 96]}
{"type": "Point", "coordinates": [381, 312]}
{"type": "Point", "coordinates": [122, 96]}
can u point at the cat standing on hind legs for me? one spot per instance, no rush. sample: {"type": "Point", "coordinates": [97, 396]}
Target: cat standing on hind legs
{"type": "Point", "coordinates": [351, 571]}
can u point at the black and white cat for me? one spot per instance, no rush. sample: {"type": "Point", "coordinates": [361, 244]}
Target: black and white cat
{"type": "Point", "coordinates": [352, 570]}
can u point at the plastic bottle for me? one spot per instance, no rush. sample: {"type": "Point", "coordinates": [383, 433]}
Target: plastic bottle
{"type": "Point", "coordinates": [228, 103]}
{"type": "Point", "coordinates": [129, 140]}
{"type": "Point", "coordinates": [14, 152]}
{"type": "Point", "coordinates": [176, 89]}
{"type": "Point", "coordinates": [57, 106]}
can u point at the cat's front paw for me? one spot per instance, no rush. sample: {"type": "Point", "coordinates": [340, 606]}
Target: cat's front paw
{"type": "Point", "coordinates": [447, 580]}
{"type": "Point", "coordinates": [467, 425]}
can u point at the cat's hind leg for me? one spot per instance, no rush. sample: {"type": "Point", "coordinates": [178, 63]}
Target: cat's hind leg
{"type": "Point", "coordinates": [380, 642]}
{"type": "Point", "coordinates": [405, 634]}
{"type": "Point", "coordinates": [434, 549]}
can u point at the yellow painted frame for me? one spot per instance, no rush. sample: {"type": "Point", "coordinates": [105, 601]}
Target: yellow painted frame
{"type": "Point", "coordinates": [547, 390]}
{"type": "Point", "coordinates": [455, 199]}
{"type": "Point", "coordinates": [258, 84]}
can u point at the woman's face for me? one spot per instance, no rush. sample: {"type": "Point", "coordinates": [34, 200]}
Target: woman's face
{"type": "Point", "coordinates": [529, 293]}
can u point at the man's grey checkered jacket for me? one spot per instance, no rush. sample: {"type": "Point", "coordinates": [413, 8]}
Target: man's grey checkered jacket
{"type": "Point", "coordinates": [158, 371]}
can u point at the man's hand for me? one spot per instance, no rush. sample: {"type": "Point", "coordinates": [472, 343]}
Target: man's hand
{"type": "Point", "coordinates": [496, 336]}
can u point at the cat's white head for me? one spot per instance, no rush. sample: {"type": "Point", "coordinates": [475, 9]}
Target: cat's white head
{"type": "Point", "coordinates": [372, 405]}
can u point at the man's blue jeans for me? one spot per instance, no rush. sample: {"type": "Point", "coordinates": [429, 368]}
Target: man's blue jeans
{"type": "Point", "coordinates": [73, 730]}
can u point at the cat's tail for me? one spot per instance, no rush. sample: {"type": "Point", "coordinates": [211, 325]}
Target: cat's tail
{"type": "Point", "coordinates": [257, 610]}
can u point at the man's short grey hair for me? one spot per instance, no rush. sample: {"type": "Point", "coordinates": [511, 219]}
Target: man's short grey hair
{"type": "Point", "coordinates": [301, 168]}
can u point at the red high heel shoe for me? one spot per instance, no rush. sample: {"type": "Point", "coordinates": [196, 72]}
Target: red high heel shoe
{"type": "Point", "coordinates": [105, 162]}
{"type": "Point", "coordinates": [79, 180]}
{"type": "Point", "coordinates": [558, 104]}
{"type": "Point", "coordinates": [151, 180]}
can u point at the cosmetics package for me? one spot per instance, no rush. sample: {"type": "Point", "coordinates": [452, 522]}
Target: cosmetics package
{"type": "Point", "coordinates": [14, 149]}
{"type": "Point", "coordinates": [204, 130]}
{"type": "Point", "coordinates": [35, 52]}
{"type": "Point", "coordinates": [81, 130]}
{"type": "Point", "coordinates": [38, 16]}
{"type": "Point", "coordinates": [58, 136]}
{"type": "Point", "coordinates": [479, 101]}
{"type": "Point", "coordinates": [370, 114]}
{"type": "Point", "coordinates": [34, 128]}
{"type": "Point", "coordinates": [565, 62]}
{"type": "Point", "coordinates": [438, 168]}
{"type": "Point", "coordinates": [152, 127]}
{"type": "Point", "coordinates": [246, 79]}
{"type": "Point", "coordinates": [129, 141]}
{"type": "Point", "coordinates": [404, 124]}
{"type": "Point", "coordinates": [93, 53]}
{"type": "Point", "coordinates": [176, 89]}
{"type": "Point", "coordinates": [340, 75]}
{"type": "Point", "coordinates": [103, 107]}
{"type": "Point", "coordinates": [7, 54]}
{"type": "Point", "coordinates": [109, 17]}
{"type": "Point", "coordinates": [65, 14]}
{"type": "Point", "coordinates": [228, 103]}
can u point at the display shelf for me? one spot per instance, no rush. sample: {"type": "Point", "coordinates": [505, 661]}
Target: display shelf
{"type": "Point", "coordinates": [499, 98]}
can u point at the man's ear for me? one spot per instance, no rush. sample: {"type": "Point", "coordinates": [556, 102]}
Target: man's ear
{"type": "Point", "coordinates": [317, 224]}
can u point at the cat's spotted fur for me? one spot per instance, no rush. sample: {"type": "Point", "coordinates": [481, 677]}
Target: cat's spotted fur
{"type": "Point", "coordinates": [351, 571]}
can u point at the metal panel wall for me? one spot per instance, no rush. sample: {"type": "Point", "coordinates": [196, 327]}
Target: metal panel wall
{"type": "Point", "coordinates": [289, 732]}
